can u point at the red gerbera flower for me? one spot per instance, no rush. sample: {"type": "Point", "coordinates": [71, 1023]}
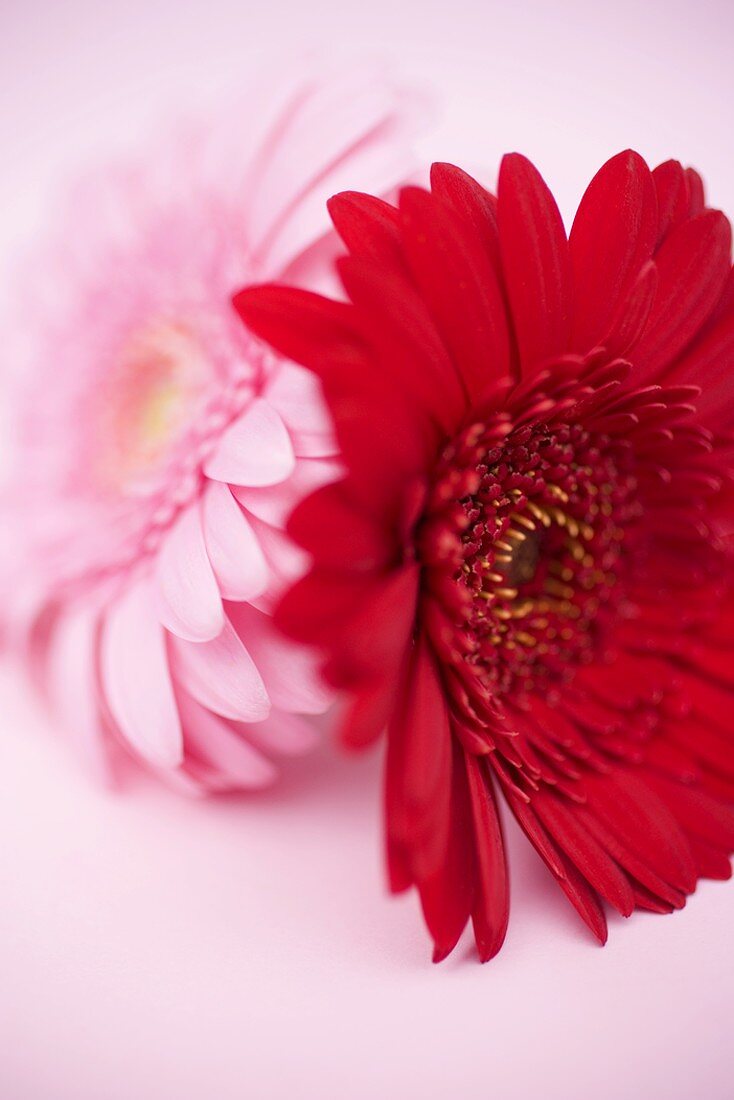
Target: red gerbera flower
{"type": "Point", "coordinates": [527, 574]}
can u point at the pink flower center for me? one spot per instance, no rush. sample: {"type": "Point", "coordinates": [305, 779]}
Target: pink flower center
{"type": "Point", "coordinates": [171, 391]}
{"type": "Point", "coordinates": [151, 397]}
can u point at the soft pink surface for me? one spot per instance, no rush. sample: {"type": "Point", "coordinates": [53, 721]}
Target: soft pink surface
{"type": "Point", "coordinates": [155, 948]}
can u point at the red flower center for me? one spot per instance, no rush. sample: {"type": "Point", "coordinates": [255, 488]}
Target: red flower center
{"type": "Point", "coordinates": [530, 524]}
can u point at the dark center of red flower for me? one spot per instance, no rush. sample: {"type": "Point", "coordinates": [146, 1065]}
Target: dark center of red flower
{"type": "Point", "coordinates": [529, 523]}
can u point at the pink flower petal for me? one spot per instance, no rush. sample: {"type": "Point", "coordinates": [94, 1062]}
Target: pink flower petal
{"type": "Point", "coordinates": [364, 143]}
{"type": "Point", "coordinates": [286, 561]}
{"type": "Point", "coordinates": [221, 746]}
{"type": "Point", "coordinates": [255, 450]}
{"type": "Point", "coordinates": [296, 394]}
{"type": "Point", "coordinates": [220, 674]}
{"type": "Point", "coordinates": [287, 734]}
{"type": "Point", "coordinates": [274, 503]}
{"type": "Point", "coordinates": [345, 114]}
{"type": "Point", "coordinates": [314, 444]}
{"type": "Point", "coordinates": [185, 782]}
{"type": "Point", "coordinates": [290, 671]}
{"type": "Point", "coordinates": [72, 684]}
{"type": "Point", "coordinates": [189, 602]}
{"type": "Point", "coordinates": [238, 562]}
{"type": "Point", "coordinates": [137, 681]}
{"type": "Point", "coordinates": [371, 168]}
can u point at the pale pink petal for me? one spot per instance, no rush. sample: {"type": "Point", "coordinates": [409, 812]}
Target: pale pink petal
{"type": "Point", "coordinates": [236, 153]}
{"type": "Point", "coordinates": [221, 674]}
{"type": "Point", "coordinates": [189, 602]}
{"type": "Point", "coordinates": [136, 678]}
{"type": "Point", "coordinates": [219, 744]}
{"type": "Point", "coordinates": [289, 671]}
{"type": "Point", "coordinates": [190, 784]}
{"type": "Point", "coordinates": [255, 450]}
{"type": "Point", "coordinates": [315, 268]}
{"type": "Point", "coordinates": [238, 562]}
{"type": "Point", "coordinates": [296, 394]}
{"type": "Point", "coordinates": [314, 444]}
{"type": "Point", "coordinates": [286, 561]}
{"type": "Point", "coordinates": [340, 113]}
{"type": "Point", "coordinates": [72, 684]}
{"type": "Point", "coordinates": [274, 503]}
{"type": "Point", "coordinates": [283, 733]}
{"type": "Point", "coordinates": [356, 118]}
{"type": "Point", "coordinates": [370, 170]}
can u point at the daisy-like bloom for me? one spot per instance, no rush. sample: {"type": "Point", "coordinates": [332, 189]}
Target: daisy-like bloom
{"type": "Point", "coordinates": [160, 447]}
{"type": "Point", "coordinates": [526, 574]}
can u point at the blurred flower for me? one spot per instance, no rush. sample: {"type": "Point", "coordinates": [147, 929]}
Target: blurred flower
{"type": "Point", "coordinates": [159, 447]}
{"type": "Point", "coordinates": [527, 572]}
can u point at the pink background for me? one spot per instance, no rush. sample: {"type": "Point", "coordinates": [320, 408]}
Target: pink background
{"type": "Point", "coordinates": [156, 948]}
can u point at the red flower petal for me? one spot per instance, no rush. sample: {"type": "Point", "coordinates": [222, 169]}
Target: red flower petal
{"type": "Point", "coordinates": [324, 336]}
{"type": "Point", "coordinates": [613, 235]}
{"type": "Point", "coordinates": [587, 855]}
{"type": "Point", "coordinates": [476, 207]}
{"type": "Point", "coordinates": [367, 715]}
{"type": "Point", "coordinates": [535, 262]}
{"type": "Point", "coordinates": [386, 616]}
{"type": "Point", "coordinates": [585, 902]}
{"type": "Point", "coordinates": [697, 193]}
{"type": "Point", "coordinates": [710, 359]}
{"type": "Point", "coordinates": [673, 192]}
{"type": "Point", "coordinates": [631, 811]}
{"type": "Point", "coordinates": [701, 816]}
{"type": "Point", "coordinates": [574, 886]}
{"type": "Point", "coordinates": [460, 286]}
{"type": "Point", "coordinates": [418, 786]}
{"type": "Point", "coordinates": [301, 325]}
{"type": "Point", "coordinates": [633, 312]}
{"type": "Point", "coordinates": [368, 226]}
{"type": "Point", "coordinates": [448, 895]}
{"type": "Point", "coordinates": [426, 725]}
{"type": "Point", "coordinates": [332, 527]}
{"type": "Point", "coordinates": [693, 265]}
{"type": "Point", "coordinates": [313, 609]}
{"type": "Point", "coordinates": [409, 352]}
{"type": "Point", "coordinates": [710, 862]}
{"type": "Point", "coordinates": [491, 910]}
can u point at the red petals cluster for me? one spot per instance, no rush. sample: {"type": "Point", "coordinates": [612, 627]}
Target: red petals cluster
{"type": "Point", "coordinates": [526, 575]}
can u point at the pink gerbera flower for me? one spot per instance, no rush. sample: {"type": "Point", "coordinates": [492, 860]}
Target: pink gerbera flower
{"type": "Point", "coordinates": [160, 447]}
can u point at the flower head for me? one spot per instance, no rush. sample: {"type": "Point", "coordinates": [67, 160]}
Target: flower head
{"type": "Point", "coordinates": [160, 447]}
{"type": "Point", "coordinates": [526, 574]}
